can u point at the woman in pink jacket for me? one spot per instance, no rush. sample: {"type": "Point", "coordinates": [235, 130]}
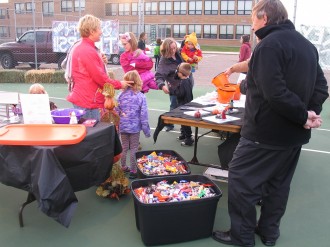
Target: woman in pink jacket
{"type": "Point", "coordinates": [88, 72]}
{"type": "Point", "coordinates": [135, 59]}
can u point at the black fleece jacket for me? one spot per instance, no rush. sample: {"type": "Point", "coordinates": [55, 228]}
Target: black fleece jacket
{"type": "Point", "coordinates": [284, 81]}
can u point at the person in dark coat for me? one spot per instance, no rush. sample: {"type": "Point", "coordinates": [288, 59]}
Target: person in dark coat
{"type": "Point", "coordinates": [286, 90]}
{"type": "Point", "coordinates": [168, 63]}
{"type": "Point", "coordinates": [142, 41]}
{"type": "Point", "coordinates": [184, 94]}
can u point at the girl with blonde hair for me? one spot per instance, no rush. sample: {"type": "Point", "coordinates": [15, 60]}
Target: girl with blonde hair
{"type": "Point", "coordinates": [133, 111]}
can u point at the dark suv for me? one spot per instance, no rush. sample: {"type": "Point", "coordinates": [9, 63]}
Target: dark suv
{"type": "Point", "coordinates": [25, 48]}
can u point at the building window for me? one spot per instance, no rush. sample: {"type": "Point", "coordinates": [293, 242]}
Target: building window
{"type": "Point", "coordinates": [19, 8]}
{"type": "Point", "coordinates": [180, 8]}
{"type": "Point", "coordinates": [3, 32]}
{"type": "Point", "coordinates": [179, 31]}
{"type": "Point", "coordinates": [123, 28]}
{"type": "Point", "coordinates": [195, 28]}
{"type": "Point", "coordinates": [164, 31]}
{"type": "Point", "coordinates": [210, 32]}
{"type": "Point", "coordinates": [3, 13]}
{"type": "Point", "coordinates": [123, 9]}
{"type": "Point", "coordinates": [241, 30]}
{"type": "Point", "coordinates": [135, 29]}
{"type": "Point", "coordinates": [165, 8]}
{"type": "Point", "coordinates": [78, 8]}
{"type": "Point", "coordinates": [226, 32]}
{"type": "Point", "coordinates": [195, 7]}
{"type": "Point", "coordinates": [227, 7]}
{"type": "Point", "coordinates": [48, 8]}
{"type": "Point", "coordinates": [135, 9]}
{"type": "Point", "coordinates": [244, 7]}
{"type": "Point", "coordinates": [211, 7]}
{"type": "Point", "coordinates": [111, 9]}
{"type": "Point", "coordinates": [66, 6]}
{"type": "Point", "coordinates": [30, 7]}
{"type": "Point", "coordinates": [150, 8]}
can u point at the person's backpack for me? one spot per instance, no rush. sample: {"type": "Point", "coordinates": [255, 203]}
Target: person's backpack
{"type": "Point", "coordinates": [66, 65]}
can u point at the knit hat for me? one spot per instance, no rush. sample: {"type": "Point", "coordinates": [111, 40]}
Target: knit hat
{"type": "Point", "coordinates": [193, 39]}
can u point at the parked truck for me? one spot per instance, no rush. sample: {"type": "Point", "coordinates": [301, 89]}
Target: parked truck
{"type": "Point", "coordinates": [25, 48]}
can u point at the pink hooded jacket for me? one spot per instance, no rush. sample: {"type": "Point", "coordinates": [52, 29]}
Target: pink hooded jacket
{"type": "Point", "coordinates": [143, 64]}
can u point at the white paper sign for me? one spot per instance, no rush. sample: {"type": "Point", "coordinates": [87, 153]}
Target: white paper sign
{"type": "Point", "coordinates": [35, 108]}
{"type": "Point", "coordinates": [219, 120]}
{"type": "Point", "coordinates": [8, 98]}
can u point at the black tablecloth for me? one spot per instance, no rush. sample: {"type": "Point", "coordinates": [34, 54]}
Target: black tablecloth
{"type": "Point", "coordinates": [53, 173]}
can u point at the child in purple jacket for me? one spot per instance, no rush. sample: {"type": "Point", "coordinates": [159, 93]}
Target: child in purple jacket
{"type": "Point", "coordinates": [133, 111]}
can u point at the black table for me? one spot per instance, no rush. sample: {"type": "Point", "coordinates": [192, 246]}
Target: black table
{"type": "Point", "coordinates": [225, 150]}
{"type": "Point", "coordinates": [51, 174]}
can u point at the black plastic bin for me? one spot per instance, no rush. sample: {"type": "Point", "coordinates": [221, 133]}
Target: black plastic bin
{"type": "Point", "coordinates": [170, 152]}
{"type": "Point", "coordinates": [174, 222]}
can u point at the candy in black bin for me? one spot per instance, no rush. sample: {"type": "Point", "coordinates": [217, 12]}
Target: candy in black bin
{"type": "Point", "coordinates": [174, 222]}
{"type": "Point", "coordinates": [142, 173]}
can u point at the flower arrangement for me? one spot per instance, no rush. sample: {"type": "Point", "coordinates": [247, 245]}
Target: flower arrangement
{"type": "Point", "coordinates": [125, 36]}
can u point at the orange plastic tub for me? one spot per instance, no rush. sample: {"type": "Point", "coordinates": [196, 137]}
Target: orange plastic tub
{"type": "Point", "coordinates": [225, 94]}
{"type": "Point", "coordinates": [237, 94]}
{"type": "Point", "coordinates": [220, 80]}
{"type": "Point", "coordinates": [42, 134]}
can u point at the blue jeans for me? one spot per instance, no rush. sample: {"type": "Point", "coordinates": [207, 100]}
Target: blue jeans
{"type": "Point", "coordinates": [89, 113]}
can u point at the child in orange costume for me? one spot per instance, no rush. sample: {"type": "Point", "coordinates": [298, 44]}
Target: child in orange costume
{"type": "Point", "coordinates": [191, 52]}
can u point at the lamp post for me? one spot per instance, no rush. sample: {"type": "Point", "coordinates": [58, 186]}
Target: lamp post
{"type": "Point", "coordinates": [141, 16]}
{"type": "Point", "coordinates": [35, 35]}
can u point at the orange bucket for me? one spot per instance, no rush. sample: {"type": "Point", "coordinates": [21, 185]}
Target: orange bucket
{"type": "Point", "coordinates": [225, 94]}
{"type": "Point", "coordinates": [220, 80]}
{"type": "Point", "coordinates": [237, 94]}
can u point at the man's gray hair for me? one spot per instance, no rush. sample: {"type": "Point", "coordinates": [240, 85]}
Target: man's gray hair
{"type": "Point", "coordinates": [273, 9]}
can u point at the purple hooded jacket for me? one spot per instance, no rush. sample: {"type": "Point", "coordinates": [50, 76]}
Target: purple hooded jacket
{"type": "Point", "coordinates": [133, 111]}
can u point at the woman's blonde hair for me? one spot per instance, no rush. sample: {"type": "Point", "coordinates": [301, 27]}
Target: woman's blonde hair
{"type": "Point", "coordinates": [37, 88]}
{"type": "Point", "coordinates": [134, 76]}
{"type": "Point", "coordinates": [165, 48]}
{"type": "Point", "coordinates": [87, 24]}
{"type": "Point", "coordinates": [133, 41]}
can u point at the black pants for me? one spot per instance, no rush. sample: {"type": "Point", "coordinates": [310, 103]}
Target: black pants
{"type": "Point", "coordinates": [157, 58]}
{"type": "Point", "coordinates": [258, 173]}
{"type": "Point", "coordinates": [186, 131]}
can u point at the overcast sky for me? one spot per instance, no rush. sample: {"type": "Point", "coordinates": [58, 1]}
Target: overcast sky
{"type": "Point", "coordinates": [309, 12]}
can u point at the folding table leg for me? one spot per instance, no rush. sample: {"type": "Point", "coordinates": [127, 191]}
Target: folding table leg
{"type": "Point", "coordinates": [30, 198]}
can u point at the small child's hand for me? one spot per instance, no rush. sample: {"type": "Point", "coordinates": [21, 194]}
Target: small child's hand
{"type": "Point", "coordinates": [190, 60]}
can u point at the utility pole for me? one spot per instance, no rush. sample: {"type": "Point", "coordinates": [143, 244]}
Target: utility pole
{"type": "Point", "coordinates": [141, 16]}
{"type": "Point", "coordinates": [35, 35]}
{"type": "Point", "coordinates": [294, 12]}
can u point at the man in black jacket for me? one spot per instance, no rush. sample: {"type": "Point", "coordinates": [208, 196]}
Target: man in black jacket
{"type": "Point", "coordinates": [286, 90]}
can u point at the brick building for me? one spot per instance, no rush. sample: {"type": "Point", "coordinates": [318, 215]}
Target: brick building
{"type": "Point", "coordinates": [219, 22]}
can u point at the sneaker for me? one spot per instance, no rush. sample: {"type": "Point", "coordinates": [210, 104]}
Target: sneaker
{"type": "Point", "coordinates": [188, 142]}
{"type": "Point", "coordinates": [169, 128]}
{"type": "Point", "coordinates": [181, 138]}
{"type": "Point", "coordinates": [125, 169]}
{"type": "Point", "coordinates": [132, 175]}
